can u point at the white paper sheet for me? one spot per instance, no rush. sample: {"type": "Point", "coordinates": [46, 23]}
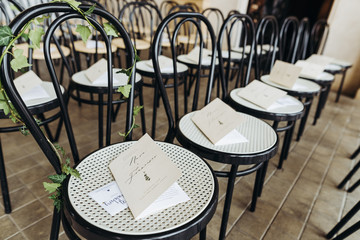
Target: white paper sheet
{"type": "Point", "coordinates": [165, 64]}
{"type": "Point", "coordinates": [299, 87]}
{"type": "Point", "coordinates": [193, 55]}
{"type": "Point", "coordinates": [232, 137]}
{"type": "Point", "coordinates": [92, 44]}
{"type": "Point", "coordinates": [36, 92]}
{"type": "Point", "coordinates": [283, 102]}
{"type": "Point", "coordinates": [111, 199]}
{"type": "Point", "coordinates": [103, 79]}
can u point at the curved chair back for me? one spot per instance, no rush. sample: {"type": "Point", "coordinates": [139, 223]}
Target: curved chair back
{"type": "Point", "coordinates": [267, 34]}
{"type": "Point", "coordinates": [302, 40]}
{"type": "Point", "coordinates": [288, 38]}
{"type": "Point", "coordinates": [245, 38]}
{"type": "Point", "coordinates": [7, 80]}
{"type": "Point", "coordinates": [318, 37]}
{"type": "Point", "coordinates": [182, 18]}
{"type": "Point", "coordinates": [216, 17]}
{"type": "Point", "coordinates": [165, 6]}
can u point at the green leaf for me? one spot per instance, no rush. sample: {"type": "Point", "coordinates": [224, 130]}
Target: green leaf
{"type": "Point", "coordinates": [51, 187]}
{"type": "Point", "coordinates": [69, 170]}
{"type": "Point", "coordinates": [137, 58]}
{"type": "Point", "coordinates": [67, 160]}
{"type": "Point", "coordinates": [110, 30]}
{"type": "Point", "coordinates": [57, 178]}
{"type": "Point", "coordinates": [25, 36]}
{"type": "Point", "coordinates": [137, 110]}
{"type": "Point", "coordinates": [136, 126]}
{"type": "Point", "coordinates": [19, 61]}
{"type": "Point", "coordinates": [126, 71]}
{"type": "Point", "coordinates": [84, 32]}
{"type": "Point", "coordinates": [5, 35]}
{"type": "Point", "coordinates": [90, 10]}
{"type": "Point", "coordinates": [24, 131]}
{"type": "Point", "coordinates": [73, 3]}
{"type": "Point", "coordinates": [58, 204]}
{"type": "Point", "coordinates": [4, 107]}
{"type": "Point", "coordinates": [35, 36]}
{"type": "Point", "coordinates": [125, 90]}
{"type": "Point", "coordinates": [39, 20]}
{"type": "Point", "coordinates": [14, 8]}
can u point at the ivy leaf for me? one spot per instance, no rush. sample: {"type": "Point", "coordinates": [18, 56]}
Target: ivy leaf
{"type": "Point", "coordinates": [24, 131]}
{"type": "Point", "coordinates": [126, 71]}
{"type": "Point", "coordinates": [57, 178]}
{"type": "Point", "coordinates": [19, 61]}
{"type": "Point", "coordinates": [137, 110]}
{"type": "Point", "coordinates": [4, 107]}
{"type": "Point", "coordinates": [69, 170]}
{"type": "Point", "coordinates": [14, 8]}
{"type": "Point", "coordinates": [84, 32]}
{"type": "Point", "coordinates": [137, 58]}
{"type": "Point", "coordinates": [58, 204]}
{"type": "Point", "coordinates": [51, 187]}
{"type": "Point", "coordinates": [125, 90]}
{"type": "Point", "coordinates": [35, 36]}
{"type": "Point", "coordinates": [25, 36]}
{"type": "Point", "coordinates": [110, 30]}
{"type": "Point", "coordinates": [90, 10]}
{"type": "Point", "coordinates": [136, 126]}
{"type": "Point", "coordinates": [39, 20]}
{"type": "Point", "coordinates": [5, 35]}
{"type": "Point", "coordinates": [73, 3]}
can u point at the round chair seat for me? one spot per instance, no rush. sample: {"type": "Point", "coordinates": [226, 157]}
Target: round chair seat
{"type": "Point", "coordinates": [247, 49]}
{"type": "Point", "coordinates": [333, 68]}
{"type": "Point", "coordinates": [206, 61]}
{"type": "Point", "coordinates": [301, 87]}
{"type": "Point", "coordinates": [140, 44]}
{"type": "Point", "coordinates": [180, 222]}
{"type": "Point", "coordinates": [145, 68]}
{"type": "Point", "coordinates": [323, 78]}
{"type": "Point", "coordinates": [276, 112]}
{"type": "Point", "coordinates": [38, 53]}
{"type": "Point", "coordinates": [261, 145]}
{"type": "Point", "coordinates": [84, 84]}
{"type": "Point", "coordinates": [80, 46]}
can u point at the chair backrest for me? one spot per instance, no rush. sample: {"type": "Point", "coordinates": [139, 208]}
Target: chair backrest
{"type": "Point", "coordinates": [302, 40]}
{"type": "Point", "coordinates": [216, 17]}
{"type": "Point", "coordinates": [115, 6]}
{"type": "Point", "coordinates": [245, 38]}
{"type": "Point", "coordinates": [267, 34]}
{"type": "Point", "coordinates": [183, 18]}
{"type": "Point", "coordinates": [165, 6]}
{"type": "Point", "coordinates": [231, 12]}
{"type": "Point", "coordinates": [65, 13]}
{"type": "Point", "coordinates": [141, 19]}
{"type": "Point", "coordinates": [288, 37]}
{"type": "Point", "coordinates": [318, 37]}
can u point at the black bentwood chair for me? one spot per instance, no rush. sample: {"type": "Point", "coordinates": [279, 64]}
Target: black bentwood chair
{"type": "Point", "coordinates": [282, 113]}
{"type": "Point", "coordinates": [25, 112]}
{"type": "Point", "coordinates": [190, 136]}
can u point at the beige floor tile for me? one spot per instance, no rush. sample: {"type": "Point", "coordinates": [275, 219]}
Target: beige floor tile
{"type": "Point", "coordinates": [29, 214]}
{"type": "Point", "coordinates": [8, 228]}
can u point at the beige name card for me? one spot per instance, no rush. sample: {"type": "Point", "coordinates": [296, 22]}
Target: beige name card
{"type": "Point", "coordinates": [26, 82]}
{"type": "Point", "coordinates": [284, 74]}
{"type": "Point", "coordinates": [216, 120]}
{"type": "Point", "coordinates": [143, 173]}
{"type": "Point", "coordinates": [309, 70]}
{"type": "Point", "coordinates": [96, 70]}
{"type": "Point", "coordinates": [320, 60]}
{"type": "Point", "coordinates": [261, 94]}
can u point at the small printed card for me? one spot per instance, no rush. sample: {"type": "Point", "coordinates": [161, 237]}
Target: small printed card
{"type": "Point", "coordinates": [309, 70]}
{"type": "Point", "coordinates": [320, 60]}
{"type": "Point", "coordinates": [112, 200]}
{"type": "Point", "coordinates": [29, 86]}
{"type": "Point", "coordinates": [143, 173]}
{"type": "Point", "coordinates": [97, 74]}
{"type": "Point", "coordinates": [261, 94]}
{"type": "Point", "coordinates": [284, 74]}
{"type": "Point", "coordinates": [165, 63]}
{"type": "Point", "coordinates": [193, 55]}
{"type": "Point", "coordinates": [216, 120]}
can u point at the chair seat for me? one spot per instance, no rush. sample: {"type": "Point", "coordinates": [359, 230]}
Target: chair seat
{"type": "Point", "coordinates": [38, 53]}
{"type": "Point", "coordinates": [323, 78]}
{"type": "Point", "coordinates": [122, 79]}
{"type": "Point", "coordinates": [80, 46]}
{"type": "Point", "coordinates": [183, 220]}
{"type": "Point", "coordinates": [193, 64]}
{"type": "Point", "coordinates": [144, 68]}
{"type": "Point", "coordinates": [235, 56]}
{"type": "Point", "coordinates": [301, 87]}
{"type": "Point", "coordinates": [260, 135]}
{"type": "Point", "coordinates": [278, 112]}
{"type": "Point", "coordinates": [247, 49]}
{"type": "Point", "coordinates": [333, 68]}
{"type": "Point", "coordinates": [140, 44]}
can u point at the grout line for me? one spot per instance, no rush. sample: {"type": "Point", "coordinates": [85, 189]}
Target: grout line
{"type": "Point", "coordinates": [325, 174]}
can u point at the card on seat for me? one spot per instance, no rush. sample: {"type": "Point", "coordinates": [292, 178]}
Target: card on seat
{"type": "Point", "coordinates": [284, 74]}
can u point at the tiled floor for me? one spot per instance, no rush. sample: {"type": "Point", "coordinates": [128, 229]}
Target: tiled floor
{"type": "Point", "coordinates": [300, 201]}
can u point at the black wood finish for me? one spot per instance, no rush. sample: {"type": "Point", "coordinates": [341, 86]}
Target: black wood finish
{"type": "Point", "coordinates": [7, 80]}
{"type": "Point", "coordinates": [288, 35]}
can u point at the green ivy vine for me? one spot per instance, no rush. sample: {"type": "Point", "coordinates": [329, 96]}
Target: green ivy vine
{"type": "Point", "coordinates": [32, 31]}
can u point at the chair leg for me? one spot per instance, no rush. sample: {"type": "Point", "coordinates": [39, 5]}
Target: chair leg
{"type": "Point", "coordinates": [4, 185]}
{"type": "Point", "coordinates": [100, 122]}
{"type": "Point", "coordinates": [228, 198]}
{"type": "Point", "coordinates": [354, 155]}
{"type": "Point", "coordinates": [355, 185]}
{"type": "Point", "coordinates": [348, 231]}
{"type": "Point", "coordinates": [344, 220]}
{"type": "Point", "coordinates": [46, 127]}
{"type": "Point", "coordinates": [263, 175]}
{"type": "Point", "coordinates": [349, 175]}
{"type": "Point", "coordinates": [203, 234]}
{"type": "Point", "coordinates": [156, 97]}
{"type": "Point", "coordinates": [55, 224]}
{"type": "Point", "coordinates": [304, 118]}
{"type": "Point", "coordinates": [321, 103]}
{"type": "Point", "coordinates": [68, 229]}
{"type": "Point", "coordinates": [257, 188]}
{"type": "Point", "coordinates": [341, 86]}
